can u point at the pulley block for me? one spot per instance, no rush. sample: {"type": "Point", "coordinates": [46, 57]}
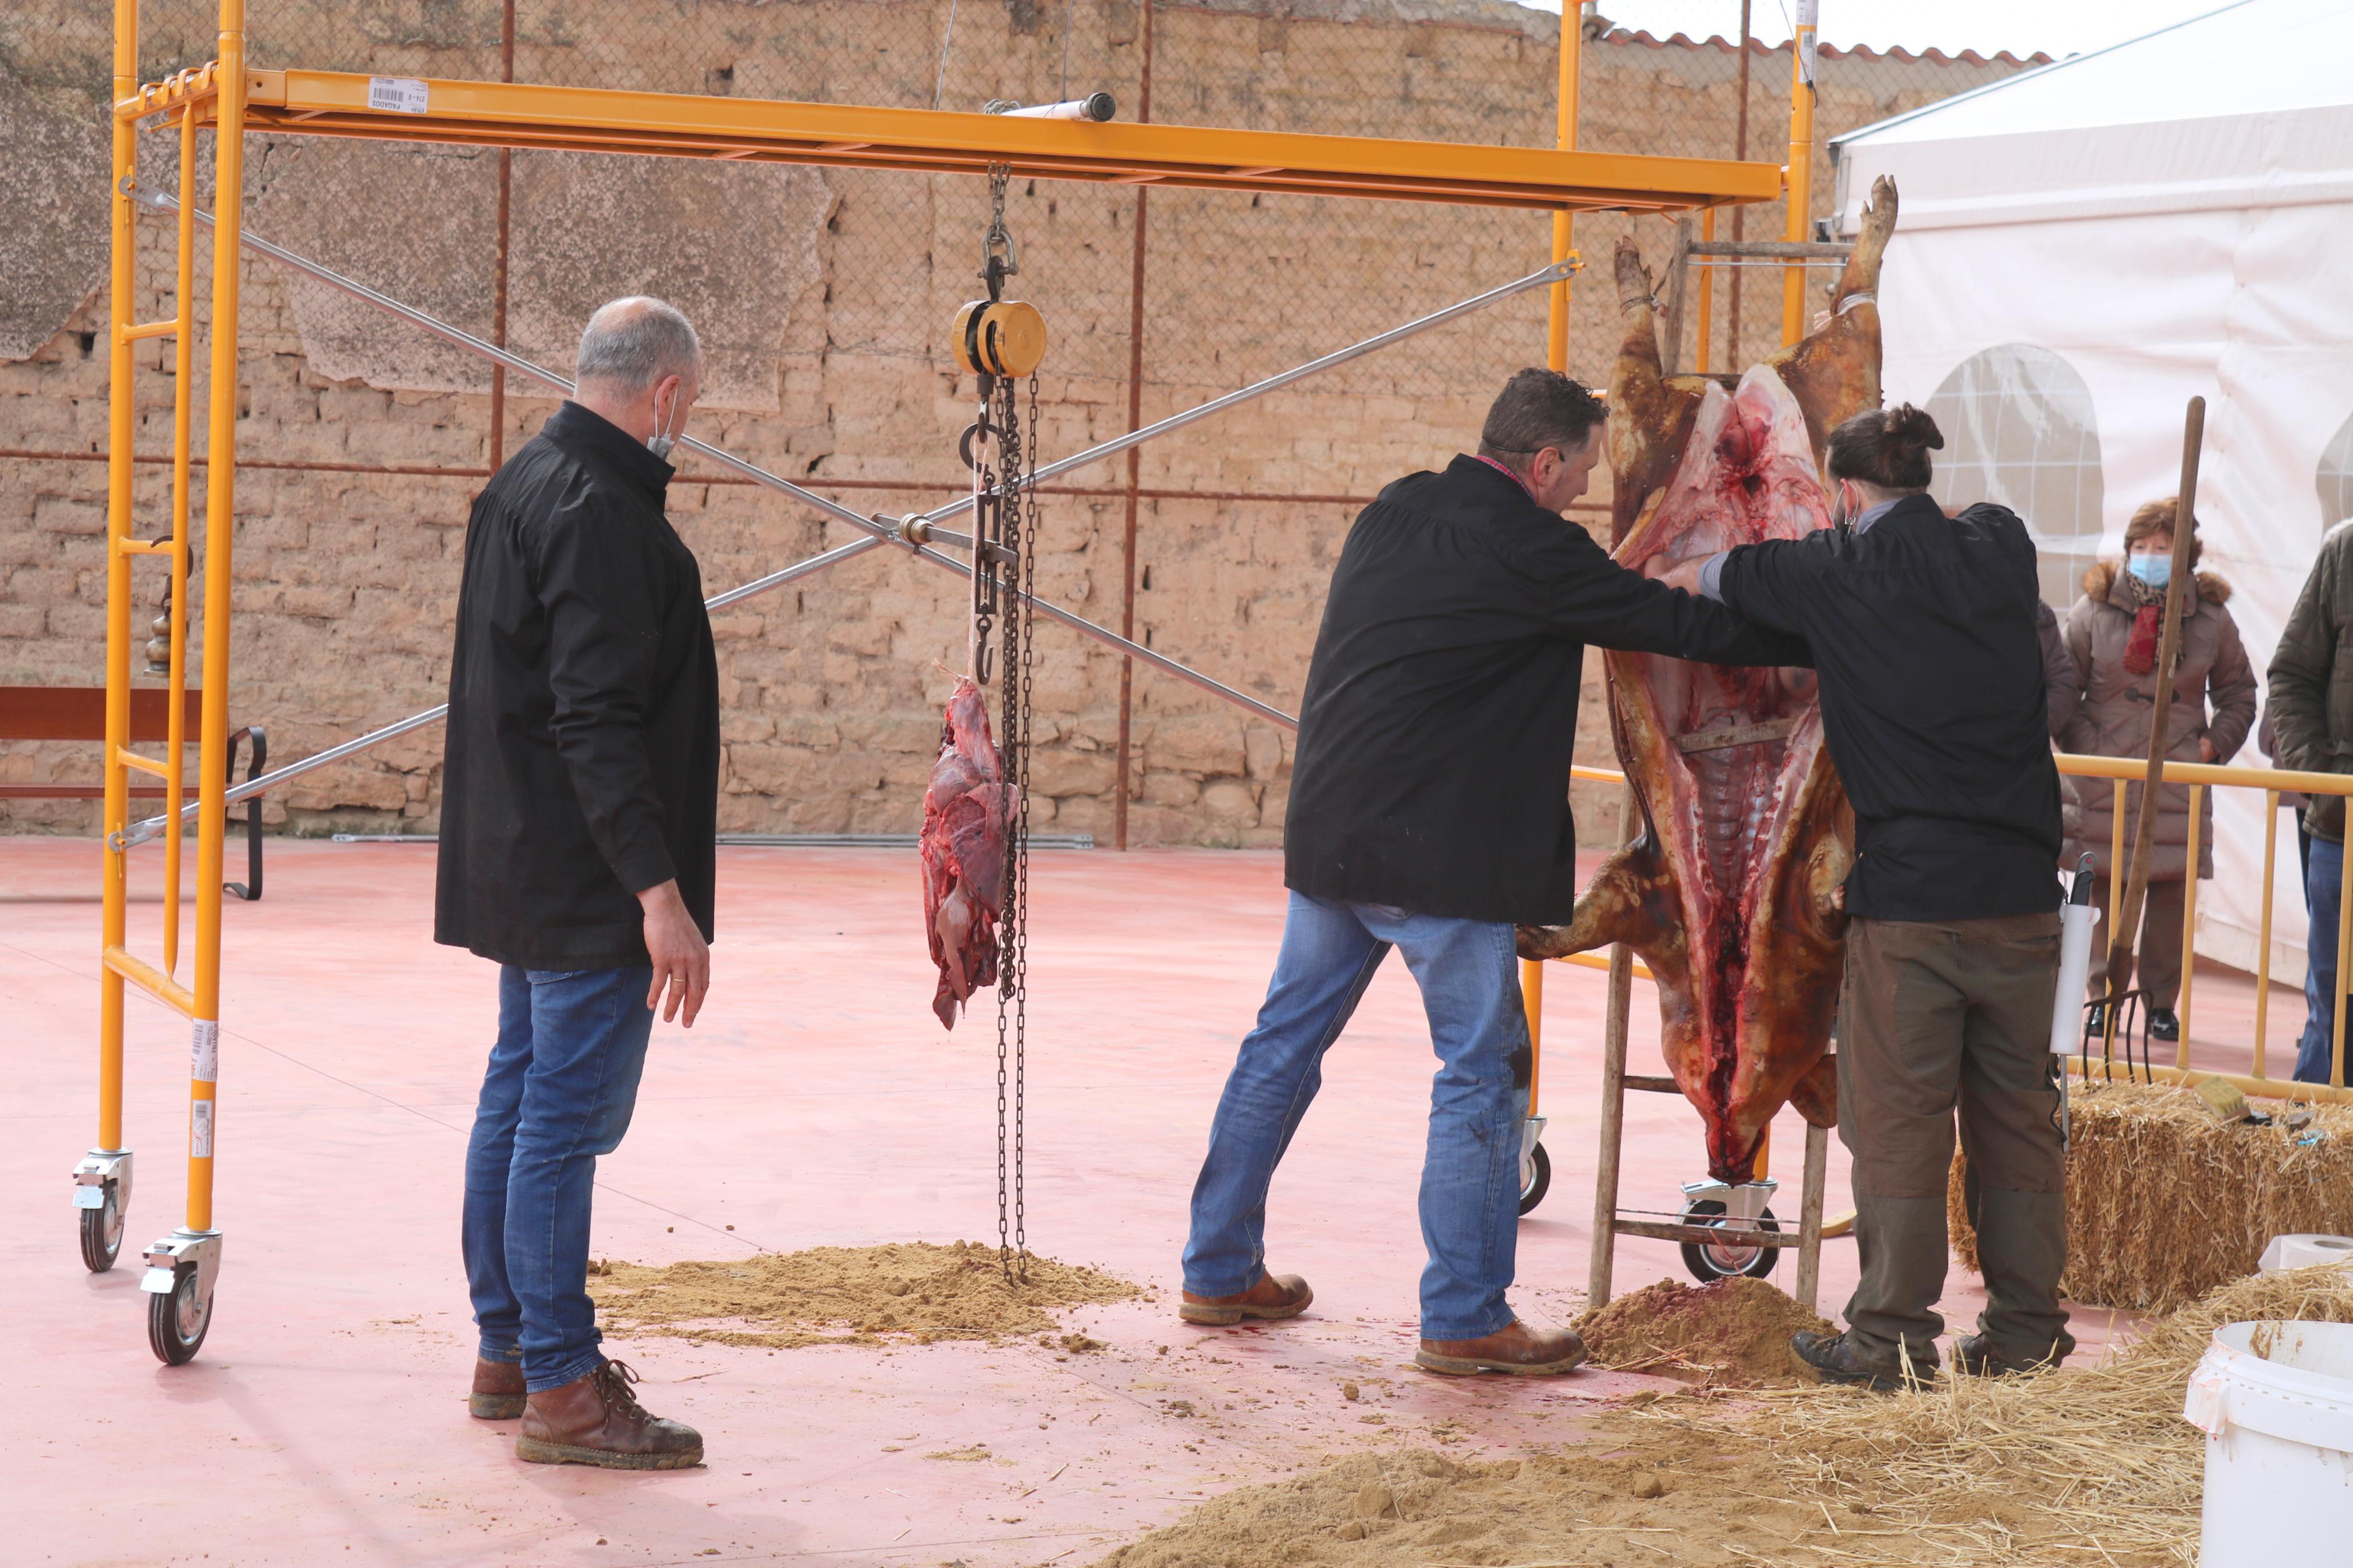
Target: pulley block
{"type": "Point", "coordinates": [1000, 337]}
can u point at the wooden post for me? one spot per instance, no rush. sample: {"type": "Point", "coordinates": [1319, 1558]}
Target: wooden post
{"type": "Point", "coordinates": [1809, 1216]}
{"type": "Point", "coordinates": [2168, 655]}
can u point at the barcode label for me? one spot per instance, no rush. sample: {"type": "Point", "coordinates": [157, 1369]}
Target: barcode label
{"type": "Point", "coordinates": [396, 94]}
{"type": "Point", "coordinates": [1810, 15]}
{"type": "Point", "coordinates": [205, 1064]}
{"type": "Point", "coordinates": [200, 1128]}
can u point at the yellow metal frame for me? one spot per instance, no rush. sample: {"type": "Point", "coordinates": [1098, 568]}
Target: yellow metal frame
{"type": "Point", "coordinates": [600, 120]}
{"type": "Point", "coordinates": [229, 98]}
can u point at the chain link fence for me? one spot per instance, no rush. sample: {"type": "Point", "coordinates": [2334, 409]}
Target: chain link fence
{"type": "Point", "coordinates": [823, 298]}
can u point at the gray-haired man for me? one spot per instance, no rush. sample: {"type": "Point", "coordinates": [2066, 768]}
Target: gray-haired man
{"type": "Point", "coordinates": [578, 801]}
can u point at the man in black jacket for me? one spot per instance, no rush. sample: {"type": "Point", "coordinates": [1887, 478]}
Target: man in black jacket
{"type": "Point", "coordinates": [1933, 688]}
{"type": "Point", "coordinates": [579, 799]}
{"type": "Point", "coordinates": [1430, 812]}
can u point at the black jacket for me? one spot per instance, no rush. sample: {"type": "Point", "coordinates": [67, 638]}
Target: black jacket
{"type": "Point", "coordinates": [1923, 629]}
{"type": "Point", "coordinates": [583, 762]}
{"type": "Point", "coordinates": [1434, 742]}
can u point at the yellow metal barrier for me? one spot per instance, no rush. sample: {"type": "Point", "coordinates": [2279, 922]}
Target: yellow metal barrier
{"type": "Point", "coordinates": [2198, 777]}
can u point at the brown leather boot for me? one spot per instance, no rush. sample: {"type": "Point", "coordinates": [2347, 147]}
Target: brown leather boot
{"type": "Point", "coordinates": [497, 1391]}
{"type": "Point", "coordinates": [1514, 1348]}
{"type": "Point", "coordinates": [1274, 1295]}
{"type": "Point", "coordinates": [595, 1420]}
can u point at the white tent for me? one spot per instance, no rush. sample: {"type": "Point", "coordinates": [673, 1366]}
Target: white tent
{"type": "Point", "coordinates": [2082, 248]}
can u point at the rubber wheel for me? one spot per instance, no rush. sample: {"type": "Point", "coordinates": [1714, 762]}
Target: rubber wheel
{"type": "Point", "coordinates": [1536, 1178]}
{"type": "Point", "coordinates": [102, 1235]}
{"type": "Point", "coordinates": [1711, 1261]}
{"type": "Point", "coordinates": [176, 1320]}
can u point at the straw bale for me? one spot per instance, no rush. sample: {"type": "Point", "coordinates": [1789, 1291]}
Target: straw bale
{"type": "Point", "coordinates": [2089, 1464]}
{"type": "Point", "coordinates": [2164, 1202]}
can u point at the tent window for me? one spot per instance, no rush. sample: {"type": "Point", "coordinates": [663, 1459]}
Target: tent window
{"type": "Point", "coordinates": [2020, 430]}
{"type": "Point", "coordinates": [2335, 478]}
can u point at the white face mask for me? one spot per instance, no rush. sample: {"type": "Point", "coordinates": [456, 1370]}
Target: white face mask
{"type": "Point", "coordinates": [663, 440]}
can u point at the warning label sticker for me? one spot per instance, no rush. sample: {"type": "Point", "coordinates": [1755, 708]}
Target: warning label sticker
{"type": "Point", "coordinates": [205, 1067]}
{"type": "Point", "coordinates": [200, 1128]}
{"type": "Point", "coordinates": [396, 94]}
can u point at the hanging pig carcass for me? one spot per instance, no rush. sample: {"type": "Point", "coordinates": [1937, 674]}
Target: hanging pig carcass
{"type": "Point", "coordinates": [1731, 892]}
{"type": "Point", "coordinates": [966, 808]}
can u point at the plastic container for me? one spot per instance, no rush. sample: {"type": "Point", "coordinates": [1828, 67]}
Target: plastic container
{"type": "Point", "coordinates": [2275, 1402]}
{"type": "Point", "coordinates": [2305, 1249]}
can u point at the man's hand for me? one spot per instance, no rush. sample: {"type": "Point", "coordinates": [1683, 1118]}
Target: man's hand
{"type": "Point", "coordinates": [680, 957]}
{"type": "Point", "coordinates": [1685, 575]}
{"type": "Point", "coordinates": [2206, 753]}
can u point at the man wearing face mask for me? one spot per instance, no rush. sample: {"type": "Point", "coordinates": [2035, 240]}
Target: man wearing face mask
{"type": "Point", "coordinates": [1935, 709]}
{"type": "Point", "coordinates": [579, 802]}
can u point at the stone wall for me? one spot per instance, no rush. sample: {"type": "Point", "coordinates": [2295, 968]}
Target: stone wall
{"type": "Point", "coordinates": [823, 296]}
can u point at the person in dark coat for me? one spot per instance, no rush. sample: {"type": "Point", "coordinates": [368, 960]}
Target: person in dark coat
{"type": "Point", "coordinates": [1429, 812]}
{"type": "Point", "coordinates": [2113, 633]}
{"type": "Point", "coordinates": [2311, 688]}
{"type": "Point", "coordinates": [1935, 709]}
{"type": "Point", "coordinates": [579, 802]}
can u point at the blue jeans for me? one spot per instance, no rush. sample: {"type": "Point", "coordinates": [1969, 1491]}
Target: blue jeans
{"type": "Point", "coordinates": [2324, 879]}
{"type": "Point", "coordinates": [562, 1082]}
{"type": "Point", "coordinates": [1471, 1174]}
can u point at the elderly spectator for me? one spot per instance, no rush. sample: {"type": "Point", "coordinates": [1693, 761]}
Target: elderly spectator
{"type": "Point", "coordinates": [579, 801]}
{"type": "Point", "coordinates": [2113, 634]}
{"type": "Point", "coordinates": [2312, 717]}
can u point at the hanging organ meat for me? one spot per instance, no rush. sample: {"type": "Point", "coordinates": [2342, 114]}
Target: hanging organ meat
{"type": "Point", "coordinates": [965, 811]}
{"type": "Point", "coordinates": [1731, 893]}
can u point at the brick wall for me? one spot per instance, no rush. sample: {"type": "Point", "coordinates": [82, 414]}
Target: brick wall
{"type": "Point", "coordinates": [825, 296]}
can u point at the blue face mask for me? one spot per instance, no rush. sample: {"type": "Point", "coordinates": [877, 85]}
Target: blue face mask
{"type": "Point", "coordinates": [2157, 571]}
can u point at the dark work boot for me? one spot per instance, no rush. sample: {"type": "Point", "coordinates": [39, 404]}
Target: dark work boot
{"type": "Point", "coordinates": [595, 1420]}
{"type": "Point", "coordinates": [1840, 1360]}
{"type": "Point", "coordinates": [498, 1391]}
{"type": "Point", "coordinates": [2164, 1024]}
{"type": "Point", "coordinates": [1978, 1356]}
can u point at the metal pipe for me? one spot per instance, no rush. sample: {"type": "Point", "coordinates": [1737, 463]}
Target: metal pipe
{"type": "Point", "coordinates": [2263, 929]}
{"type": "Point", "coordinates": [2189, 929]}
{"type": "Point", "coordinates": [119, 416]}
{"type": "Point", "coordinates": [1739, 214]}
{"type": "Point", "coordinates": [1572, 50]}
{"type": "Point", "coordinates": [1536, 280]}
{"type": "Point", "coordinates": [1801, 165]}
{"type": "Point", "coordinates": [1096, 107]}
{"type": "Point", "coordinates": [183, 365]}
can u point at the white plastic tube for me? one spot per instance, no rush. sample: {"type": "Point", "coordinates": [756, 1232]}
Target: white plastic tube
{"type": "Point", "coordinates": [2075, 924]}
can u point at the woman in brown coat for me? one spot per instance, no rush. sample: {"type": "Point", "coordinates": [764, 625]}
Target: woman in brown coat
{"type": "Point", "coordinates": [2113, 633]}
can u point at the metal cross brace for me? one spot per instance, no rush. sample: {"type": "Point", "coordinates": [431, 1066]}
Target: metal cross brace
{"type": "Point", "coordinates": [905, 534]}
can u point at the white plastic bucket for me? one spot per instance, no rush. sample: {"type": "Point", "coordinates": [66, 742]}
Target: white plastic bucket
{"type": "Point", "coordinates": [2279, 1444]}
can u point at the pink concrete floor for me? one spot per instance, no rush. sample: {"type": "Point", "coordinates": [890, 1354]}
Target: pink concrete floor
{"type": "Point", "coordinates": [817, 1102]}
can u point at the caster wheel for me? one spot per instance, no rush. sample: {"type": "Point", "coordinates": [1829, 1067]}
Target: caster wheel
{"type": "Point", "coordinates": [1712, 1261]}
{"type": "Point", "coordinates": [176, 1320]}
{"type": "Point", "coordinates": [102, 1235]}
{"type": "Point", "coordinates": [1536, 1178]}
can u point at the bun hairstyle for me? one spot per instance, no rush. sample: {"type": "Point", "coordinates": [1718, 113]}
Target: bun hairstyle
{"type": "Point", "coordinates": [2155, 517]}
{"type": "Point", "coordinates": [1885, 446]}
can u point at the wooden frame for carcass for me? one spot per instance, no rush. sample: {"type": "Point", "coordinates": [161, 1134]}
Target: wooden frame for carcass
{"type": "Point", "coordinates": [228, 97]}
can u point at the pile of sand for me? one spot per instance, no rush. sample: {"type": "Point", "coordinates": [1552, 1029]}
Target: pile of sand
{"type": "Point", "coordinates": [847, 1295]}
{"type": "Point", "coordinates": [1732, 1333]}
{"type": "Point", "coordinates": [2083, 1466]}
{"type": "Point", "coordinates": [2165, 1201]}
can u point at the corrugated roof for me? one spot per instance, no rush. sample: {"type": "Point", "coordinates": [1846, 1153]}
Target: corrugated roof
{"type": "Point", "coordinates": [1828, 51]}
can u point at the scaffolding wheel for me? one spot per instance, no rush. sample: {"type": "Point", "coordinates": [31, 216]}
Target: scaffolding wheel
{"type": "Point", "coordinates": [101, 1233]}
{"type": "Point", "coordinates": [177, 1317]}
{"type": "Point", "coordinates": [1712, 1261]}
{"type": "Point", "coordinates": [1536, 1177]}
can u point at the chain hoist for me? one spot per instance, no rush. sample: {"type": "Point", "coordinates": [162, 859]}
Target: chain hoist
{"type": "Point", "coordinates": [1002, 341]}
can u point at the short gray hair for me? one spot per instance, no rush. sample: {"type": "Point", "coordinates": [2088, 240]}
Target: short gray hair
{"type": "Point", "coordinates": [1540, 408]}
{"type": "Point", "coordinates": [630, 344]}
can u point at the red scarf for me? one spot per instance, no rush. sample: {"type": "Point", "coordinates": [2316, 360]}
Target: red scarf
{"type": "Point", "coordinates": [2140, 648]}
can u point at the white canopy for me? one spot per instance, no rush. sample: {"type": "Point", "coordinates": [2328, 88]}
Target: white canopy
{"type": "Point", "coordinates": [2082, 248]}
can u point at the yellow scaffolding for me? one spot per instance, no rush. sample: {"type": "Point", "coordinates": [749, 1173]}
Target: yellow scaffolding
{"type": "Point", "coordinates": [227, 98]}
